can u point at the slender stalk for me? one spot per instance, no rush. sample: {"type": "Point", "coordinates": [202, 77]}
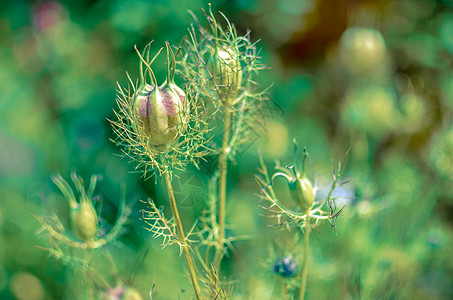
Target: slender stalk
{"type": "Point", "coordinates": [284, 290]}
{"type": "Point", "coordinates": [222, 184]}
{"type": "Point", "coordinates": [182, 238]}
{"type": "Point", "coordinates": [303, 282]}
{"type": "Point", "coordinates": [93, 280]}
{"type": "Point", "coordinates": [89, 275]}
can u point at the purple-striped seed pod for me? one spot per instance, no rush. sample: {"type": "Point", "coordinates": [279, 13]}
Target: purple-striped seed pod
{"type": "Point", "coordinates": [159, 113]}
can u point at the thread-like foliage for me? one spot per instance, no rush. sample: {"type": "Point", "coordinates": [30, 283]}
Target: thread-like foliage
{"type": "Point", "coordinates": [193, 131]}
{"type": "Point", "coordinates": [221, 67]}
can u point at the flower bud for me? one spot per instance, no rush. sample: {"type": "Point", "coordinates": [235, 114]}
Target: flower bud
{"type": "Point", "coordinates": [84, 220]}
{"type": "Point", "coordinates": [302, 192]}
{"type": "Point", "coordinates": [285, 266]}
{"type": "Point", "coordinates": [229, 73]}
{"type": "Point", "coordinates": [159, 112]}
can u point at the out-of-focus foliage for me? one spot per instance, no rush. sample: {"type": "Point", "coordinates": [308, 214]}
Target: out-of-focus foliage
{"type": "Point", "coordinates": [373, 76]}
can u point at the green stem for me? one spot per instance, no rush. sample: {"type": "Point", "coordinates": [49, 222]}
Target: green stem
{"type": "Point", "coordinates": [89, 275]}
{"type": "Point", "coordinates": [222, 184]}
{"type": "Point", "coordinates": [94, 281]}
{"type": "Point", "coordinates": [182, 238]}
{"type": "Point", "coordinates": [284, 290]}
{"type": "Point", "coordinates": [303, 282]}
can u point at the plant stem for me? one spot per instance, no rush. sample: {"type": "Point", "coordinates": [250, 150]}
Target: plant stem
{"type": "Point", "coordinates": [303, 283]}
{"type": "Point", "coordinates": [182, 238]}
{"type": "Point", "coordinates": [89, 275]}
{"type": "Point", "coordinates": [222, 184]}
{"type": "Point", "coordinates": [284, 290]}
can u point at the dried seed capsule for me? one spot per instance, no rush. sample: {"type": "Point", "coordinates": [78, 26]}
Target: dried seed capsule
{"type": "Point", "coordinates": [84, 220]}
{"type": "Point", "coordinates": [229, 73]}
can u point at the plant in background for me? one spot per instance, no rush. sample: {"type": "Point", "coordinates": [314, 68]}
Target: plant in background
{"type": "Point", "coordinates": [85, 233]}
{"type": "Point", "coordinates": [363, 52]}
{"type": "Point", "coordinates": [221, 67]}
{"type": "Point", "coordinates": [286, 268]}
{"type": "Point", "coordinates": [281, 265]}
{"type": "Point", "coordinates": [121, 292]}
{"type": "Point", "coordinates": [309, 213]}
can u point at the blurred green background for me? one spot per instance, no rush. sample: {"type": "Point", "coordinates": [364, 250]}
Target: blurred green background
{"type": "Point", "coordinates": [373, 76]}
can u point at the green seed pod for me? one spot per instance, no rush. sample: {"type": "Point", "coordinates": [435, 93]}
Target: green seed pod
{"type": "Point", "coordinates": [159, 113]}
{"type": "Point", "coordinates": [84, 220]}
{"type": "Point", "coordinates": [363, 51]}
{"type": "Point", "coordinates": [229, 73]}
{"type": "Point", "coordinates": [300, 188]}
{"type": "Point", "coordinates": [302, 192]}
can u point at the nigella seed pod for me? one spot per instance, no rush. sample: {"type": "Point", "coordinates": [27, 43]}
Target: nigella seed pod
{"type": "Point", "coordinates": [300, 188]}
{"type": "Point", "coordinates": [299, 184]}
{"type": "Point", "coordinates": [285, 266]}
{"type": "Point", "coordinates": [363, 51]}
{"type": "Point", "coordinates": [161, 125]}
{"type": "Point", "coordinates": [160, 112]}
{"type": "Point", "coordinates": [84, 220]}
{"type": "Point", "coordinates": [301, 191]}
{"type": "Point", "coordinates": [229, 73]}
